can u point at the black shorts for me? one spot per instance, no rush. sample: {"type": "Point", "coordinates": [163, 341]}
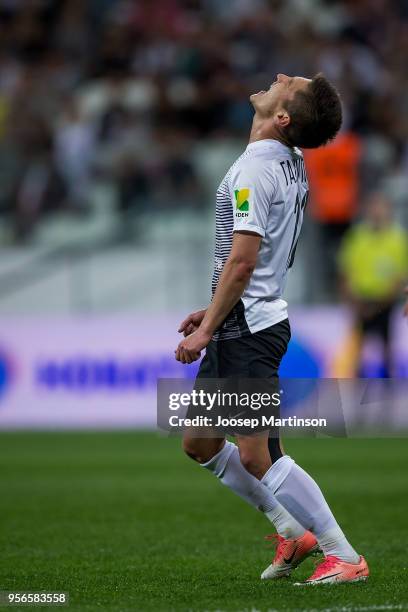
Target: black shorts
{"type": "Point", "coordinates": [254, 356]}
{"type": "Point", "coordinates": [245, 366]}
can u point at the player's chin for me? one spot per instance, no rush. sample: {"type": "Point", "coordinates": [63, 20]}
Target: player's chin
{"type": "Point", "coordinates": [255, 100]}
{"type": "Point", "coordinates": [253, 97]}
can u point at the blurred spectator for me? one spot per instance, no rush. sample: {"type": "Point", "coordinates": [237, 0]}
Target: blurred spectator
{"type": "Point", "coordinates": [38, 185]}
{"type": "Point", "coordinates": [175, 178]}
{"type": "Point", "coordinates": [333, 173]}
{"type": "Point", "coordinates": [373, 262]}
{"type": "Point", "coordinates": [74, 150]}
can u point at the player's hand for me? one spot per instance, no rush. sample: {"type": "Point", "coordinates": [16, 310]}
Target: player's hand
{"type": "Point", "coordinates": [190, 348]}
{"type": "Point", "coordinates": [191, 323]}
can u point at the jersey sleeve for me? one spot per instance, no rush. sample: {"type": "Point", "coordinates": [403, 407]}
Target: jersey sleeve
{"type": "Point", "coordinates": [253, 188]}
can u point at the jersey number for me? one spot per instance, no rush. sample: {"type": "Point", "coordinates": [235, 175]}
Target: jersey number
{"type": "Point", "coordinates": [299, 207]}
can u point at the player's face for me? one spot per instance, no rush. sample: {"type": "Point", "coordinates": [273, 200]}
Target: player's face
{"type": "Point", "coordinates": [281, 90]}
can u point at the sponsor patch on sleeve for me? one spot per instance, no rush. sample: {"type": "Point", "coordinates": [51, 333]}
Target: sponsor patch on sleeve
{"type": "Point", "coordinates": [242, 203]}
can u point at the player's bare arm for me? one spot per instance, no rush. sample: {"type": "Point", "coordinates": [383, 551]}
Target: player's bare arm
{"type": "Point", "coordinates": [192, 322]}
{"type": "Point", "coordinates": [233, 280]}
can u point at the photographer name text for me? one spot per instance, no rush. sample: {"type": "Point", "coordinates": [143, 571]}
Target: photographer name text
{"type": "Point", "coordinates": [250, 422]}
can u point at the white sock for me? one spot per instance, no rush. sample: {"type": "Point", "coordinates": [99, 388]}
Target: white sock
{"type": "Point", "coordinates": [284, 523]}
{"type": "Point", "coordinates": [334, 542]}
{"type": "Point", "coordinates": [227, 466]}
{"type": "Point", "coordinates": [303, 499]}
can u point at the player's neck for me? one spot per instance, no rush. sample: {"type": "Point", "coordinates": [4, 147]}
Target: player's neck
{"type": "Point", "coordinates": [263, 129]}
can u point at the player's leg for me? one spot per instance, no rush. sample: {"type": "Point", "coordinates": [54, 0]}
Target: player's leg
{"type": "Point", "coordinates": [245, 357]}
{"type": "Point", "coordinates": [294, 543]}
{"type": "Point", "coordinates": [201, 449]}
{"type": "Point", "coordinates": [254, 453]}
{"type": "Point", "coordinates": [257, 358]}
{"type": "Point", "coordinates": [303, 499]}
{"type": "Point", "coordinates": [222, 458]}
{"type": "Point", "coordinates": [297, 492]}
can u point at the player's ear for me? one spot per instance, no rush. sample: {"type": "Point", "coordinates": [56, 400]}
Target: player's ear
{"type": "Point", "coordinates": [282, 118]}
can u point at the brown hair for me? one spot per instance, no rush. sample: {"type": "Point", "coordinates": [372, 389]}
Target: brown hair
{"type": "Point", "coordinates": [315, 114]}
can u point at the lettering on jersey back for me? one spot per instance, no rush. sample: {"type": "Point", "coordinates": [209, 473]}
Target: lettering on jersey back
{"type": "Point", "coordinates": [294, 170]}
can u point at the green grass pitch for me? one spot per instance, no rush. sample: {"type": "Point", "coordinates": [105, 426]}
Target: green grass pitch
{"type": "Point", "coordinates": [123, 521]}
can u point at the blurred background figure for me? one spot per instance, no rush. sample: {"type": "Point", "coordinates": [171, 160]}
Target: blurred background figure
{"type": "Point", "coordinates": [373, 262]}
{"type": "Point", "coordinates": [334, 182]}
{"type": "Point", "coordinates": [74, 151]}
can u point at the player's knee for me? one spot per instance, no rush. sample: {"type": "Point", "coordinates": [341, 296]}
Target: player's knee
{"type": "Point", "coordinates": [190, 448]}
{"type": "Point", "coordinates": [251, 463]}
{"type": "Point", "coordinates": [200, 450]}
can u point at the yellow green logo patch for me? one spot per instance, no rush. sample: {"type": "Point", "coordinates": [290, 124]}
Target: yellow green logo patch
{"type": "Point", "coordinates": [242, 199]}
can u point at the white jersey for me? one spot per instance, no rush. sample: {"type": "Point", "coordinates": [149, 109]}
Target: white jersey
{"type": "Point", "coordinates": [265, 191]}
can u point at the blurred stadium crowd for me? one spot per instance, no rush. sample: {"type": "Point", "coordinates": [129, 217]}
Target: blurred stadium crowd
{"type": "Point", "coordinates": [144, 94]}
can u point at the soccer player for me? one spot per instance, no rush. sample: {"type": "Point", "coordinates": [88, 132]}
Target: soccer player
{"type": "Point", "coordinates": [245, 329]}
